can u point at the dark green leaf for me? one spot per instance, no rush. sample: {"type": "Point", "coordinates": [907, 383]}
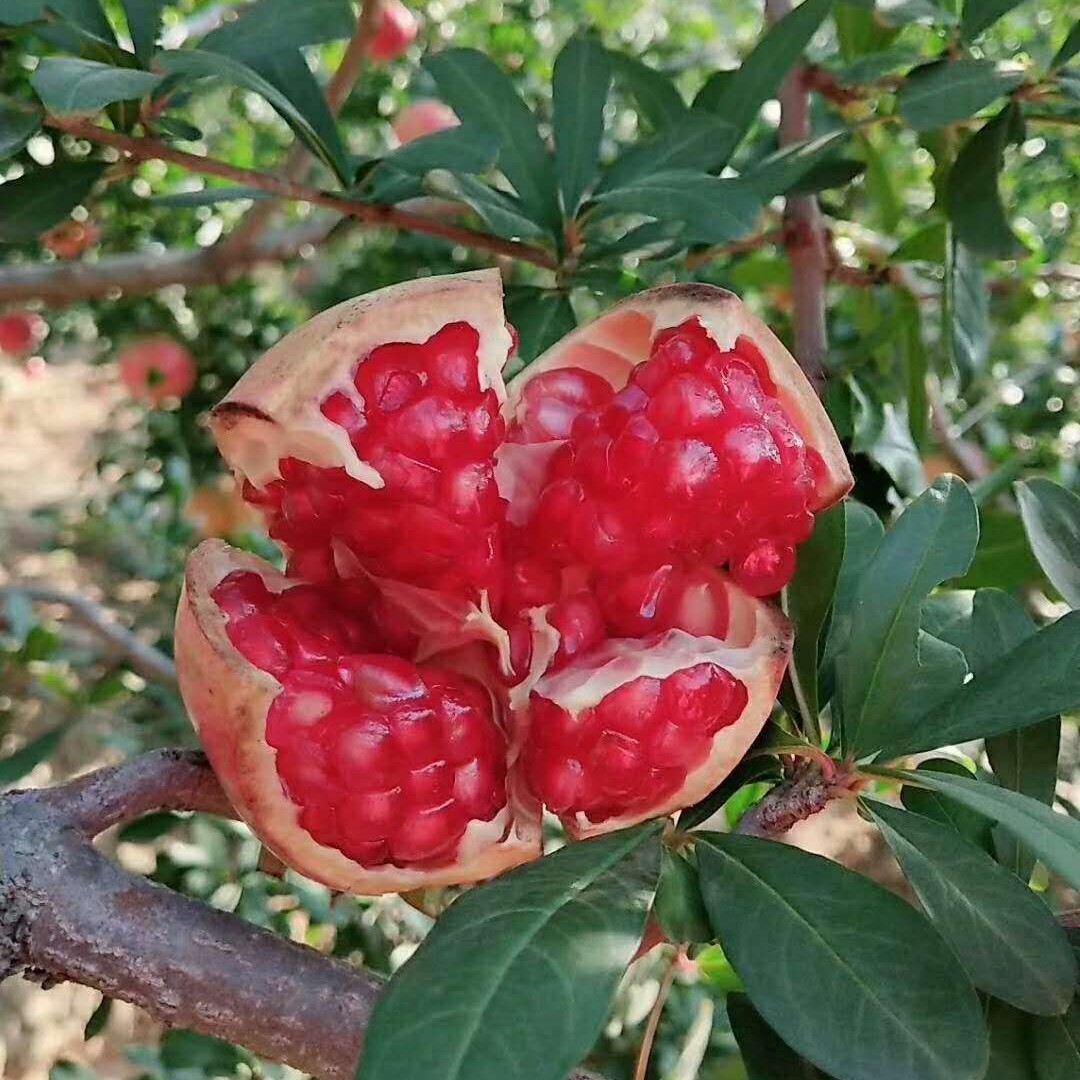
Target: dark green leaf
{"type": "Point", "coordinates": [780, 171]}
{"type": "Point", "coordinates": [143, 19]}
{"type": "Point", "coordinates": [972, 198]}
{"type": "Point", "coordinates": [949, 90]}
{"type": "Point", "coordinates": [826, 176]}
{"type": "Point", "coordinates": [1004, 934]}
{"type": "Point", "coordinates": [973, 827]}
{"type": "Point", "coordinates": [711, 210]}
{"type": "Point", "coordinates": [15, 766]}
{"type": "Point", "coordinates": [210, 196]}
{"type": "Point", "coordinates": [853, 978]}
{"type": "Point", "coordinates": [904, 12]}
{"type": "Point", "coordinates": [993, 624]}
{"type": "Point", "coordinates": [1010, 1050]}
{"type": "Point", "coordinates": [461, 149]}
{"type": "Point", "coordinates": [807, 602]}
{"type": "Point", "coordinates": [39, 199]}
{"type": "Point", "coordinates": [150, 827]}
{"type": "Point", "coordinates": [172, 127]}
{"type": "Point", "coordinates": [1056, 1045]}
{"type": "Point", "coordinates": [979, 14]}
{"type": "Point", "coordinates": [312, 130]}
{"type": "Point", "coordinates": [86, 15]}
{"type": "Point", "coordinates": [481, 94]}
{"type": "Point", "coordinates": [540, 316]}
{"type": "Point", "coordinates": [579, 91]}
{"type": "Point", "coordinates": [1038, 679]}
{"type": "Point", "coordinates": [658, 236]}
{"type": "Point", "coordinates": [910, 335]}
{"type": "Point", "coordinates": [522, 970]}
{"type": "Point", "coordinates": [1051, 516]}
{"type": "Point", "coordinates": [190, 1050]}
{"type": "Point", "coordinates": [750, 770]}
{"type": "Point", "coordinates": [679, 908]}
{"type": "Point", "coordinates": [1069, 47]}
{"type": "Point", "coordinates": [17, 124]}
{"type": "Point", "coordinates": [932, 541]}
{"type": "Point", "coordinates": [98, 1018]}
{"type": "Point", "coordinates": [765, 1055]}
{"type": "Point", "coordinates": [1004, 558]}
{"type": "Point", "coordinates": [654, 93]}
{"type": "Point", "coordinates": [965, 310]}
{"type": "Point", "coordinates": [884, 434]}
{"type": "Point", "coordinates": [69, 86]}
{"type": "Point", "coordinates": [273, 26]}
{"type": "Point", "coordinates": [759, 76]}
{"type": "Point", "coordinates": [924, 245]}
{"type": "Point", "coordinates": [503, 214]}
{"type": "Point", "coordinates": [1055, 838]}
{"type": "Point", "coordinates": [941, 670]}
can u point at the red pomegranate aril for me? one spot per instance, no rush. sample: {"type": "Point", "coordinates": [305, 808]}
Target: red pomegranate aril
{"type": "Point", "coordinates": [630, 709]}
{"type": "Point", "coordinates": [383, 682]}
{"type": "Point", "coordinates": [340, 409]}
{"type": "Point", "coordinates": [427, 833]}
{"type": "Point", "coordinates": [369, 815]}
{"type": "Point", "coordinates": [553, 400]}
{"type": "Point", "coordinates": [475, 790]}
{"type": "Point", "coordinates": [686, 404]}
{"type": "Point", "coordinates": [765, 569]}
{"type": "Point", "coordinates": [559, 779]}
{"type": "Point", "coordinates": [704, 698]}
{"type": "Point", "coordinates": [263, 644]}
{"type": "Point", "coordinates": [431, 783]}
{"type": "Point", "coordinates": [619, 764]}
{"type": "Point", "coordinates": [580, 624]}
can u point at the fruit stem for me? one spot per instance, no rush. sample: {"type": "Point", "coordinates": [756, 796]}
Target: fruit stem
{"type": "Point", "coordinates": [641, 1066]}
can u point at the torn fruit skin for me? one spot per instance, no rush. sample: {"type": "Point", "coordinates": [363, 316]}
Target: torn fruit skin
{"type": "Point", "coordinates": [498, 598]}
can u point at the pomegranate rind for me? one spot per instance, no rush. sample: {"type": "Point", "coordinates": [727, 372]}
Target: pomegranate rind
{"type": "Point", "coordinates": [756, 651]}
{"type": "Point", "coordinates": [617, 341]}
{"type": "Point", "coordinates": [273, 411]}
{"type": "Point", "coordinates": [228, 700]}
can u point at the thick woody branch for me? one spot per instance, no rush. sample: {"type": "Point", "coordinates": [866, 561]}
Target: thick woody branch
{"type": "Point", "coordinates": [141, 149]}
{"type": "Point", "coordinates": [794, 799]}
{"type": "Point", "coordinates": [66, 912]}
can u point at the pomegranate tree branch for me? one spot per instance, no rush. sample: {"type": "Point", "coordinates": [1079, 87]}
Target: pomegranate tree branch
{"type": "Point", "coordinates": [142, 149]}
{"type": "Point", "coordinates": [801, 795]}
{"type": "Point", "coordinates": [142, 658]}
{"type": "Point", "coordinates": [66, 912]}
{"type": "Point", "coordinates": [297, 163]}
{"type": "Point", "coordinates": [804, 228]}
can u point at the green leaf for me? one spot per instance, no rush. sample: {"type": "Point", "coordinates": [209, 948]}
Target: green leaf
{"type": "Point", "coordinates": [1055, 838]}
{"type": "Point", "coordinates": [481, 94]}
{"type": "Point", "coordinates": [190, 1050]}
{"type": "Point", "coordinates": [765, 1055]}
{"type": "Point", "coordinates": [781, 170]}
{"type": "Point", "coordinates": [15, 766]}
{"type": "Point", "coordinates": [973, 827]}
{"type": "Point", "coordinates": [1051, 517]}
{"type": "Point", "coordinates": [759, 76]}
{"type": "Point", "coordinates": [660, 237]}
{"type": "Point", "coordinates": [654, 93]}
{"type": "Point", "coordinates": [1010, 1052]}
{"type": "Point", "coordinates": [579, 92]}
{"type": "Point", "coordinates": [751, 770]}
{"type": "Point", "coordinates": [522, 970]}
{"type": "Point", "coordinates": [941, 670]}
{"type": "Point", "coordinates": [1069, 47]}
{"type": "Point", "coordinates": [40, 198]}
{"type": "Point", "coordinates": [1004, 934]}
{"type": "Point", "coordinates": [17, 124]}
{"type": "Point", "coordinates": [853, 978]}
{"type": "Point", "coordinates": [924, 245]}
{"type": "Point", "coordinates": [210, 196]}
{"type": "Point", "coordinates": [884, 434]}
{"type": "Point", "coordinates": [311, 129]}
{"type": "Point", "coordinates": [827, 175]}
{"type": "Point", "coordinates": [150, 827]}
{"type": "Point", "coordinates": [1057, 1045]}
{"type": "Point", "coordinates": [979, 14]}
{"type": "Point", "coordinates": [503, 214]}
{"type": "Point", "coordinates": [972, 198]}
{"type": "Point", "coordinates": [1004, 558]}
{"type": "Point", "coordinates": [994, 624]}
{"type": "Point", "coordinates": [910, 335]}
{"type": "Point", "coordinates": [905, 12]}
{"type": "Point", "coordinates": [85, 15]}
{"type": "Point", "coordinates": [172, 127]}
{"type": "Point", "coordinates": [679, 908]}
{"type": "Point", "coordinates": [540, 316]}
{"type": "Point", "coordinates": [965, 309]}
{"type": "Point", "coordinates": [98, 1019]}
{"type": "Point", "coordinates": [69, 86]}
{"type": "Point", "coordinates": [1038, 679]}
{"type": "Point", "coordinates": [807, 601]}
{"type": "Point", "coordinates": [461, 149]}
{"type": "Point", "coordinates": [932, 541]}
{"type": "Point", "coordinates": [144, 19]}
{"type": "Point", "coordinates": [949, 90]}
{"type": "Point", "coordinates": [712, 210]}
{"type": "Point", "coordinates": [274, 26]}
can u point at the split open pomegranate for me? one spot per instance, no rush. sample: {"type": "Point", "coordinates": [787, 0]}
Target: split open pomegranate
{"type": "Point", "coordinates": [498, 597]}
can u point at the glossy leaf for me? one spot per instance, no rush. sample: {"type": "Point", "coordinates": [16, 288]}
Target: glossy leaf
{"type": "Point", "coordinates": [522, 970]}
{"type": "Point", "coordinates": [780, 171]}
{"type": "Point", "coordinates": [924, 245]}
{"type": "Point", "coordinates": [679, 908]}
{"type": "Point", "coordinates": [654, 93]}
{"type": "Point", "coordinates": [980, 14]}
{"type": "Point", "coordinates": [974, 828]}
{"type": "Point", "coordinates": [274, 26]}
{"type": "Point", "coordinates": [481, 94]}
{"type": "Point", "coordinates": [540, 316]}
{"type": "Point", "coordinates": [765, 1055]}
{"type": "Point", "coordinates": [939, 672]}
{"type": "Point", "coordinates": [711, 210]}
{"type": "Point", "coordinates": [932, 541]}
{"type": "Point", "coordinates": [69, 86]}
{"type": "Point", "coordinates": [85, 15]}
{"type": "Point", "coordinates": [210, 196]}
{"type": "Point", "coordinates": [1004, 558]}
{"type": "Point", "coordinates": [462, 149]}
{"type": "Point", "coordinates": [1069, 47]}
{"type": "Point", "coordinates": [1051, 517]}
{"type": "Point", "coordinates": [949, 90]}
{"type": "Point", "coordinates": [144, 19]}
{"type": "Point", "coordinates": [503, 214]}
{"type": "Point", "coordinates": [972, 197]}
{"type": "Point", "coordinates": [807, 601]}
{"type": "Point", "coordinates": [1010, 1043]}
{"type": "Point", "coordinates": [579, 91]}
{"type": "Point", "coordinates": [1055, 838]}
{"type": "Point", "coordinates": [992, 625]}
{"type": "Point", "coordinates": [17, 125]}
{"type": "Point", "coordinates": [965, 310]}
{"type": "Point", "coordinates": [1004, 934]}
{"type": "Point", "coordinates": [1056, 1042]}
{"type": "Point", "coordinates": [853, 978]}
{"type": "Point", "coordinates": [40, 198]}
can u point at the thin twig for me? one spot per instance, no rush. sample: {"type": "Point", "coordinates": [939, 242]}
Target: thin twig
{"type": "Point", "coordinates": [143, 659]}
{"type": "Point", "coordinates": [648, 1036]}
{"type": "Point", "coordinates": [371, 213]}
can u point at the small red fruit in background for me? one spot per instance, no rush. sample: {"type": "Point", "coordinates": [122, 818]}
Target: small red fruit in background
{"type": "Point", "coordinates": [395, 33]}
{"type": "Point", "coordinates": [156, 368]}
{"type": "Point", "coordinates": [423, 118]}
{"type": "Point", "coordinates": [70, 239]}
{"type": "Point", "coordinates": [19, 332]}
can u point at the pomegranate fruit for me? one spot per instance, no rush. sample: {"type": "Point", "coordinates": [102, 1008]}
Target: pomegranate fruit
{"type": "Point", "coordinates": [70, 239]}
{"type": "Point", "coordinates": [156, 368]}
{"type": "Point", "coordinates": [498, 598]}
{"type": "Point", "coordinates": [395, 33]}
{"type": "Point", "coordinates": [423, 118]}
{"type": "Point", "coordinates": [19, 332]}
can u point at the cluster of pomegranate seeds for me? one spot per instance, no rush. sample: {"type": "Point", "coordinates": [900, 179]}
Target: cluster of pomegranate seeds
{"type": "Point", "coordinates": [389, 761]}
{"type": "Point", "coordinates": [635, 747]}
{"type": "Point", "coordinates": [694, 458]}
{"type": "Point", "coordinates": [419, 417]}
